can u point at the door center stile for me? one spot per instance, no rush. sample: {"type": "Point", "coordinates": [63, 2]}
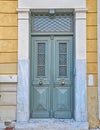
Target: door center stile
{"type": "Point", "coordinates": [51, 75]}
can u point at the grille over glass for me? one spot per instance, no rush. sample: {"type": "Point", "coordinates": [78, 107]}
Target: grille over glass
{"type": "Point", "coordinates": [41, 59]}
{"type": "Point", "coordinates": [56, 23]}
{"type": "Point", "coordinates": [62, 59]}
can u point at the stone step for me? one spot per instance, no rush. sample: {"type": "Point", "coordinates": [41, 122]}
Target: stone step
{"type": "Point", "coordinates": [47, 128]}
{"type": "Point", "coordinates": [42, 128]}
{"type": "Point", "coordinates": [51, 124]}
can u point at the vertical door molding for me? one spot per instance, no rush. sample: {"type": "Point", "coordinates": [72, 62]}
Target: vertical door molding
{"type": "Point", "coordinates": [98, 18]}
{"type": "Point", "coordinates": [80, 112]}
{"type": "Point", "coordinates": [23, 66]}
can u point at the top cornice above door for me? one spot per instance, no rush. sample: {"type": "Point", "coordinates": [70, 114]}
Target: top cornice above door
{"type": "Point", "coordinates": [44, 4]}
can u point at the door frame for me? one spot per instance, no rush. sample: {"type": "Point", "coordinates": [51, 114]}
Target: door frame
{"type": "Point", "coordinates": [80, 101]}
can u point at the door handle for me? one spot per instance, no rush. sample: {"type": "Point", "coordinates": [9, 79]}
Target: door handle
{"type": "Point", "coordinates": [62, 83]}
{"type": "Point", "coordinates": [40, 83]}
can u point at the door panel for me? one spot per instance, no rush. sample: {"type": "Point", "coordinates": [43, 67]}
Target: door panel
{"type": "Point", "coordinates": [62, 102]}
{"type": "Point", "coordinates": [40, 92]}
{"type": "Point", "coordinates": [40, 56]}
{"type": "Point", "coordinates": [63, 62]}
{"type": "Point", "coordinates": [51, 91]}
{"type": "Point", "coordinates": [41, 102]}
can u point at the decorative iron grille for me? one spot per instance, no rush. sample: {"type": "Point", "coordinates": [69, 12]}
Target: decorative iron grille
{"type": "Point", "coordinates": [41, 59]}
{"type": "Point", "coordinates": [52, 23]}
{"type": "Point", "coordinates": [62, 59]}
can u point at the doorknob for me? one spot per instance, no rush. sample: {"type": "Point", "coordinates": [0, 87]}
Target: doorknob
{"type": "Point", "coordinates": [62, 83]}
{"type": "Point", "coordinates": [40, 83]}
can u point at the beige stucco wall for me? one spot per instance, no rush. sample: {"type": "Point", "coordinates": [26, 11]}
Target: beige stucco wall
{"type": "Point", "coordinates": [8, 57]}
{"type": "Point", "coordinates": [92, 63]}
{"type": "Point", "coordinates": [8, 37]}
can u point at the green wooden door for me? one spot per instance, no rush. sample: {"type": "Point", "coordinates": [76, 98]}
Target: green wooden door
{"type": "Point", "coordinates": [51, 76]}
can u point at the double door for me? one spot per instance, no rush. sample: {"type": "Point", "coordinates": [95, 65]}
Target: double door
{"type": "Point", "coordinates": [51, 77]}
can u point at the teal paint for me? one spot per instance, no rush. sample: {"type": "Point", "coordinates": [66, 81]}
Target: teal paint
{"type": "Point", "coordinates": [52, 87]}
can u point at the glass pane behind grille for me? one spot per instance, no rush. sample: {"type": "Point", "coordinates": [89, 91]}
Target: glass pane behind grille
{"type": "Point", "coordinates": [41, 70]}
{"type": "Point", "coordinates": [41, 48]}
{"type": "Point", "coordinates": [41, 59]}
{"type": "Point", "coordinates": [62, 48]}
{"type": "Point", "coordinates": [62, 70]}
{"type": "Point", "coordinates": [57, 23]}
{"type": "Point", "coordinates": [62, 59]}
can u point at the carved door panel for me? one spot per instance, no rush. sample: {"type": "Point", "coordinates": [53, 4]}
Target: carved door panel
{"type": "Point", "coordinates": [62, 91]}
{"type": "Point", "coordinates": [40, 91]}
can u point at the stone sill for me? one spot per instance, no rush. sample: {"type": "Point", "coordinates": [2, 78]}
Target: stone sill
{"type": "Point", "coordinates": [8, 78]}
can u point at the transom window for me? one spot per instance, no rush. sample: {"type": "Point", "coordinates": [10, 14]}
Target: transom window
{"type": "Point", "coordinates": [52, 23]}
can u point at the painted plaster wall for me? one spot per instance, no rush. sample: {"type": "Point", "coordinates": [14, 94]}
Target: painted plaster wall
{"type": "Point", "coordinates": [92, 66]}
{"type": "Point", "coordinates": [8, 57]}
